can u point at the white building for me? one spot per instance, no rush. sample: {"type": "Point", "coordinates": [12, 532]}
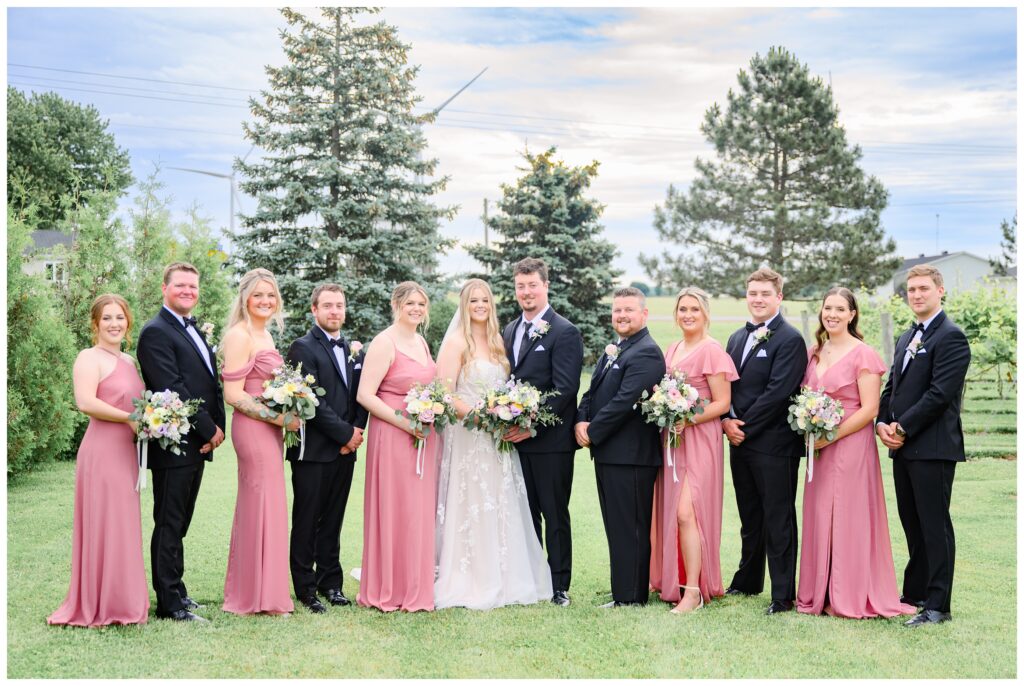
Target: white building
{"type": "Point", "coordinates": [48, 255]}
{"type": "Point", "coordinates": [960, 271]}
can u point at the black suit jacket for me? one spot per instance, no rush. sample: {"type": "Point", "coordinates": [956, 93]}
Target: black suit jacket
{"type": "Point", "coordinates": [338, 412]}
{"type": "Point", "coordinates": [926, 397]}
{"type": "Point", "coordinates": [170, 360]}
{"type": "Point", "coordinates": [760, 397]}
{"type": "Point", "coordinates": [618, 433]}
{"type": "Point", "coordinates": [553, 361]}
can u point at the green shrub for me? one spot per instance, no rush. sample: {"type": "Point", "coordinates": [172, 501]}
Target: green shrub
{"type": "Point", "coordinates": [441, 312]}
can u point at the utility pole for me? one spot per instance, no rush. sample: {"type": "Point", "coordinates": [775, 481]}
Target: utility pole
{"type": "Point", "coordinates": [936, 233]}
{"type": "Point", "coordinates": [487, 242]}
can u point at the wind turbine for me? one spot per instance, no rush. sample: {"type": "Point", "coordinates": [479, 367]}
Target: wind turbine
{"type": "Point", "coordinates": [231, 178]}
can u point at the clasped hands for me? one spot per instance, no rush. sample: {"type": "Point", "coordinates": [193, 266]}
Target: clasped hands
{"type": "Point", "coordinates": [890, 439]}
{"type": "Point", "coordinates": [354, 442]}
{"type": "Point", "coordinates": [217, 439]}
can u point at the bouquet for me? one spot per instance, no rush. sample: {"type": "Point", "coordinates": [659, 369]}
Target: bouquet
{"type": "Point", "coordinates": [293, 395]}
{"type": "Point", "coordinates": [161, 417]}
{"type": "Point", "coordinates": [816, 415]}
{"type": "Point", "coordinates": [427, 405]}
{"type": "Point", "coordinates": [672, 401]}
{"type": "Point", "coordinates": [511, 403]}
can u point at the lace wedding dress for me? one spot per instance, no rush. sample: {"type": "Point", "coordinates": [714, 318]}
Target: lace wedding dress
{"type": "Point", "coordinates": [488, 554]}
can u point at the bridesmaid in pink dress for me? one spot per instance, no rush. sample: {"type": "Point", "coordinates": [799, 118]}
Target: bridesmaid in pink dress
{"type": "Point", "coordinates": [108, 578]}
{"type": "Point", "coordinates": [258, 574]}
{"type": "Point", "coordinates": [687, 530]}
{"type": "Point", "coordinates": [398, 505]}
{"type": "Point", "coordinates": [846, 567]}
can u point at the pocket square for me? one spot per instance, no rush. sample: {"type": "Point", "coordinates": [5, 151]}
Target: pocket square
{"type": "Point", "coordinates": [538, 348]}
{"type": "Point", "coordinates": [615, 366]}
{"type": "Point", "coordinates": [762, 353]}
{"type": "Point", "coordinates": [358, 366]}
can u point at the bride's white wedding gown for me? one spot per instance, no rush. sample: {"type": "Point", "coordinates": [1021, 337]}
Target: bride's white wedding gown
{"type": "Point", "coordinates": [488, 554]}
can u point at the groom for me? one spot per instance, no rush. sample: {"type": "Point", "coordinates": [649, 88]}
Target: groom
{"type": "Point", "coordinates": [625, 448]}
{"type": "Point", "coordinates": [322, 476]}
{"type": "Point", "coordinates": [546, 350]}
{"type": "Point", "coordinates": [174, 355]}
{"type": "Point", "coordinates": [765, 455]}
{"type": "Point", "coordinates": [919, 421]}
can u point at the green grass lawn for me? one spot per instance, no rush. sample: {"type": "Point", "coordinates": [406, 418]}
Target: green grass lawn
{"type": "Point", "coordinates": [729, 638]}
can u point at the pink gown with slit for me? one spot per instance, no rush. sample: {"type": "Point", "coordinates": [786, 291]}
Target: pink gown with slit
{"type": "Point", "coordinates": [845, 553]}
{"type": "Point", "coordinates": [399, 504]}
{"type": "Point", "coordinates": [108, 577]}
{"type": "Point", "coordinates": [698, 461]}
{"type": "Point", "coordinates": [258, 575]}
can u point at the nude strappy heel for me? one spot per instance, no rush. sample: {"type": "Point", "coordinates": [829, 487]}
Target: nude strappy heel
{"type": "Point", "coordinates": [676, 611]}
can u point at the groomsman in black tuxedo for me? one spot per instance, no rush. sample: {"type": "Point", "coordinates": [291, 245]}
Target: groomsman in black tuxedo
{"type": "Point", "coordinates": [173, 354]}
{"type": "Point", "coordinates": [322, 473]}
{"type": "Point", "coordinates": [764, 457]}
{"type": "Point", "coordinates": [546, 349]}
{"type": "Point", "coordinates": [919, 421]}
{"type": "Point", "coordinates": [626, 450]}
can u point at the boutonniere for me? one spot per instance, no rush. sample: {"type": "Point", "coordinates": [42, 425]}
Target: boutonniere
{"type": "Point", "coordinates": [355, 347]}
{"type": "Point", "coordinates": [539, 329]}
{"type": "Point", "coordinates": [915, 347]}
{"type": "Point", "coordinates": [207, 329]}
{"type": "Point", "coordinates": [611, 351]}
{"type": "Point", "coordinates": [762, 334]}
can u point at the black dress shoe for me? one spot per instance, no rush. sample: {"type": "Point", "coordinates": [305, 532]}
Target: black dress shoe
{"type": "Point", "coordinates": [336, 597]}
{"type": "Point", "coordinates": [736, 591]}
{"type": "Point", "coordinates": [190, 604]}
{"type": "Point", "coordinates": [313, 605]}
{"type": "Point", "coordinates": [907, 601]}
{"type": "Point", "coordinates": [779, 606]}
{"type": "Point", "coordinates": [181, 615]}
{"type": "Point", "coordinates": [561, 598]}
{"type": "Point", "coordinates": [616, 603]}
{"type": "Point", "coordinates": [929, 617]}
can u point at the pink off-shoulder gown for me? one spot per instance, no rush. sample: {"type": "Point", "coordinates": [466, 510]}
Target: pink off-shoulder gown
{"type": "Point", "coordinates": [698, 461]}
{"type": "Point", "coordinates": [845, 554]}
{"type": "Point", "coordinates": [398, 506]}
{"type": "Point", "coordinates": [108, 577]}
{"type": "Point", "coordinates": [258, 578]}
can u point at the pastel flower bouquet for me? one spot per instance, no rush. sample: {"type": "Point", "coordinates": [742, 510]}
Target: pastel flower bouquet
{"type": "Point", "coordinates": [163, 417]}
{"type": "Point", "coordinates": [512, 403]}
{"type": "Point", "coordinates": [295, 396]}
{"type": "Point", "coordinates": [673, 400]}
{"type": "Point", "coordinates": [427, 405]}
{"type": "Point", "coordinates": [815, 415]}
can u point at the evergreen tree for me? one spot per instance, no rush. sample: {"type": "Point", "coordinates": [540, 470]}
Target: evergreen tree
{"type": "Point", "coordinates": [152, 245]}
{"type": "Point", "coordinates": [343, 190]}
{"type": "Point", "coordinates": [1001, 265]}
{"type": "Point", "coordinates": [785, 191]}
{"type": "Point", "coordinates": [197, 246]}
{"type": "Point", "coordinates": [546, 215]}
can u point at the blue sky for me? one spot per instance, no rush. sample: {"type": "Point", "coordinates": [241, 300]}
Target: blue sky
{"type": "Point", "coordinates": [929, 94]}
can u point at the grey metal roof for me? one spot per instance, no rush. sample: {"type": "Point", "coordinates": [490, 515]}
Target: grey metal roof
{"type": "Point", "coordinates": [931, 259]}
{"type": "Point", "coordinates": [48, 238]}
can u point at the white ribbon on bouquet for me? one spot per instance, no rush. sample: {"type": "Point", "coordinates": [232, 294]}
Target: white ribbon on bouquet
{"type": "Point", "coordinates": [142, 450]}
{"type": "Point", "coordinates": [419, 457]}
{"type": "Point", "coordinates": [810, 457]}
{"type": "Point", "coordinates": [668, 453]}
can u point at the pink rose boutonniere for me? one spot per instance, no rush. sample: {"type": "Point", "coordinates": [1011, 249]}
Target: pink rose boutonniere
{"type": "Point", "coordinates": [539, 329]}
{"type": "Point", "coordinates": [762, 334]}
{"type": "Point", "coordinates": [355, 348]}
{"type": "Point", "coordinates": [611, 351]}
{"type": "Point", "coordinates": [915, 348]}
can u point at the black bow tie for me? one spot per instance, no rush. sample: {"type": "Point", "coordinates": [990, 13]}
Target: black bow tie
{"type": "Point", "coordinates": [189, 321]}
{"type": "Point", "coordinates": [337, 342]}
{"type": "Point", "coordinates": [751, 327]}
{"type": "Point", "coordinates": [918, 327]}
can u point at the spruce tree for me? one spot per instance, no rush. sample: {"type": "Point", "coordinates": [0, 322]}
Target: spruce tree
{"type": "Point", "coordinates": [785, 190]}
{"type": "Point", "coordinates": [344, 191]}
{"type": "Point", "coordinates": [546, 215]}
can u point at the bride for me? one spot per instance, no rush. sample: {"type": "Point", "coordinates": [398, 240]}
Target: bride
{"type": "Point", "coordinates": [487, 551]}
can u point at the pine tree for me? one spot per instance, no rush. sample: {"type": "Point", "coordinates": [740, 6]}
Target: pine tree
{"type": "Point", "coordinates": [546, 215]}
{"type": "Point", "coordinates": [152, 245]}
{"type": "Point", "coordinates": [1008, 245]}
{"type": "Point", "coordinates": [785, 191]}
{"type": "Point", "coordinates": [343, 190]}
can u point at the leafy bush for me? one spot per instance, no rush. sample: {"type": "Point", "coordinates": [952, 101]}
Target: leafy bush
{"type": "Point", "coordinates": [988, 316]}
{"type": "Point", "coordinates": [41, 416]}
{"type": "Point", "coordinates": [441, 312]}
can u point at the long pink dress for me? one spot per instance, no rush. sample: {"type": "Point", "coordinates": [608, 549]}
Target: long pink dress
{"type": "Point", "coordinates": [108, 577]}
{"type": "Point", "coordinates": [258, 577]}
{"type": "Point", "coordinates": [398, 505]}
{"type": "Point", "coordinates": [698, 461]}
{"type": "Point", "coordinates": [845, 553]}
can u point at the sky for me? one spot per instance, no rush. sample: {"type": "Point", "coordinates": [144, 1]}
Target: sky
{"type": "Point", "coordinates": [928, 93]}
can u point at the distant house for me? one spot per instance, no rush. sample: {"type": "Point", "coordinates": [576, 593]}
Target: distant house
{"type": "Point", "coordinates": [960, 271]}
{"type": "Point", "coordinates": [48, 255]}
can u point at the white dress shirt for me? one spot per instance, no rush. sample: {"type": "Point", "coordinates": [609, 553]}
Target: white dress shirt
{"type": "Point", "coordinates": [524, 325]}
{"type": "Point", "coordinates": [191, 330]}
{"type": "Point", "coordinates": [918, 335]}
{"type": "Point", "coordinates": [339, 355]}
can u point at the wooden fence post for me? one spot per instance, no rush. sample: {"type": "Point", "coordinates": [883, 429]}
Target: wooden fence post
{"type": "Point", "coordinates": [805, 324]}
{"type": "Point", "coordinates": [888, 341]}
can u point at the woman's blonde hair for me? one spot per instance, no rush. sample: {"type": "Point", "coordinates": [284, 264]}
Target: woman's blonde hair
{"type": "Point", "coordinates": [402, 293]}
{"type": "Point", "coordinates": [246, 285]}
{"type": "Point", "coordinates": [495, 345]}
{"type": "Point", "coordinates": [703, 301]}
{"type": "Point", "coordinates": [96, 311]}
